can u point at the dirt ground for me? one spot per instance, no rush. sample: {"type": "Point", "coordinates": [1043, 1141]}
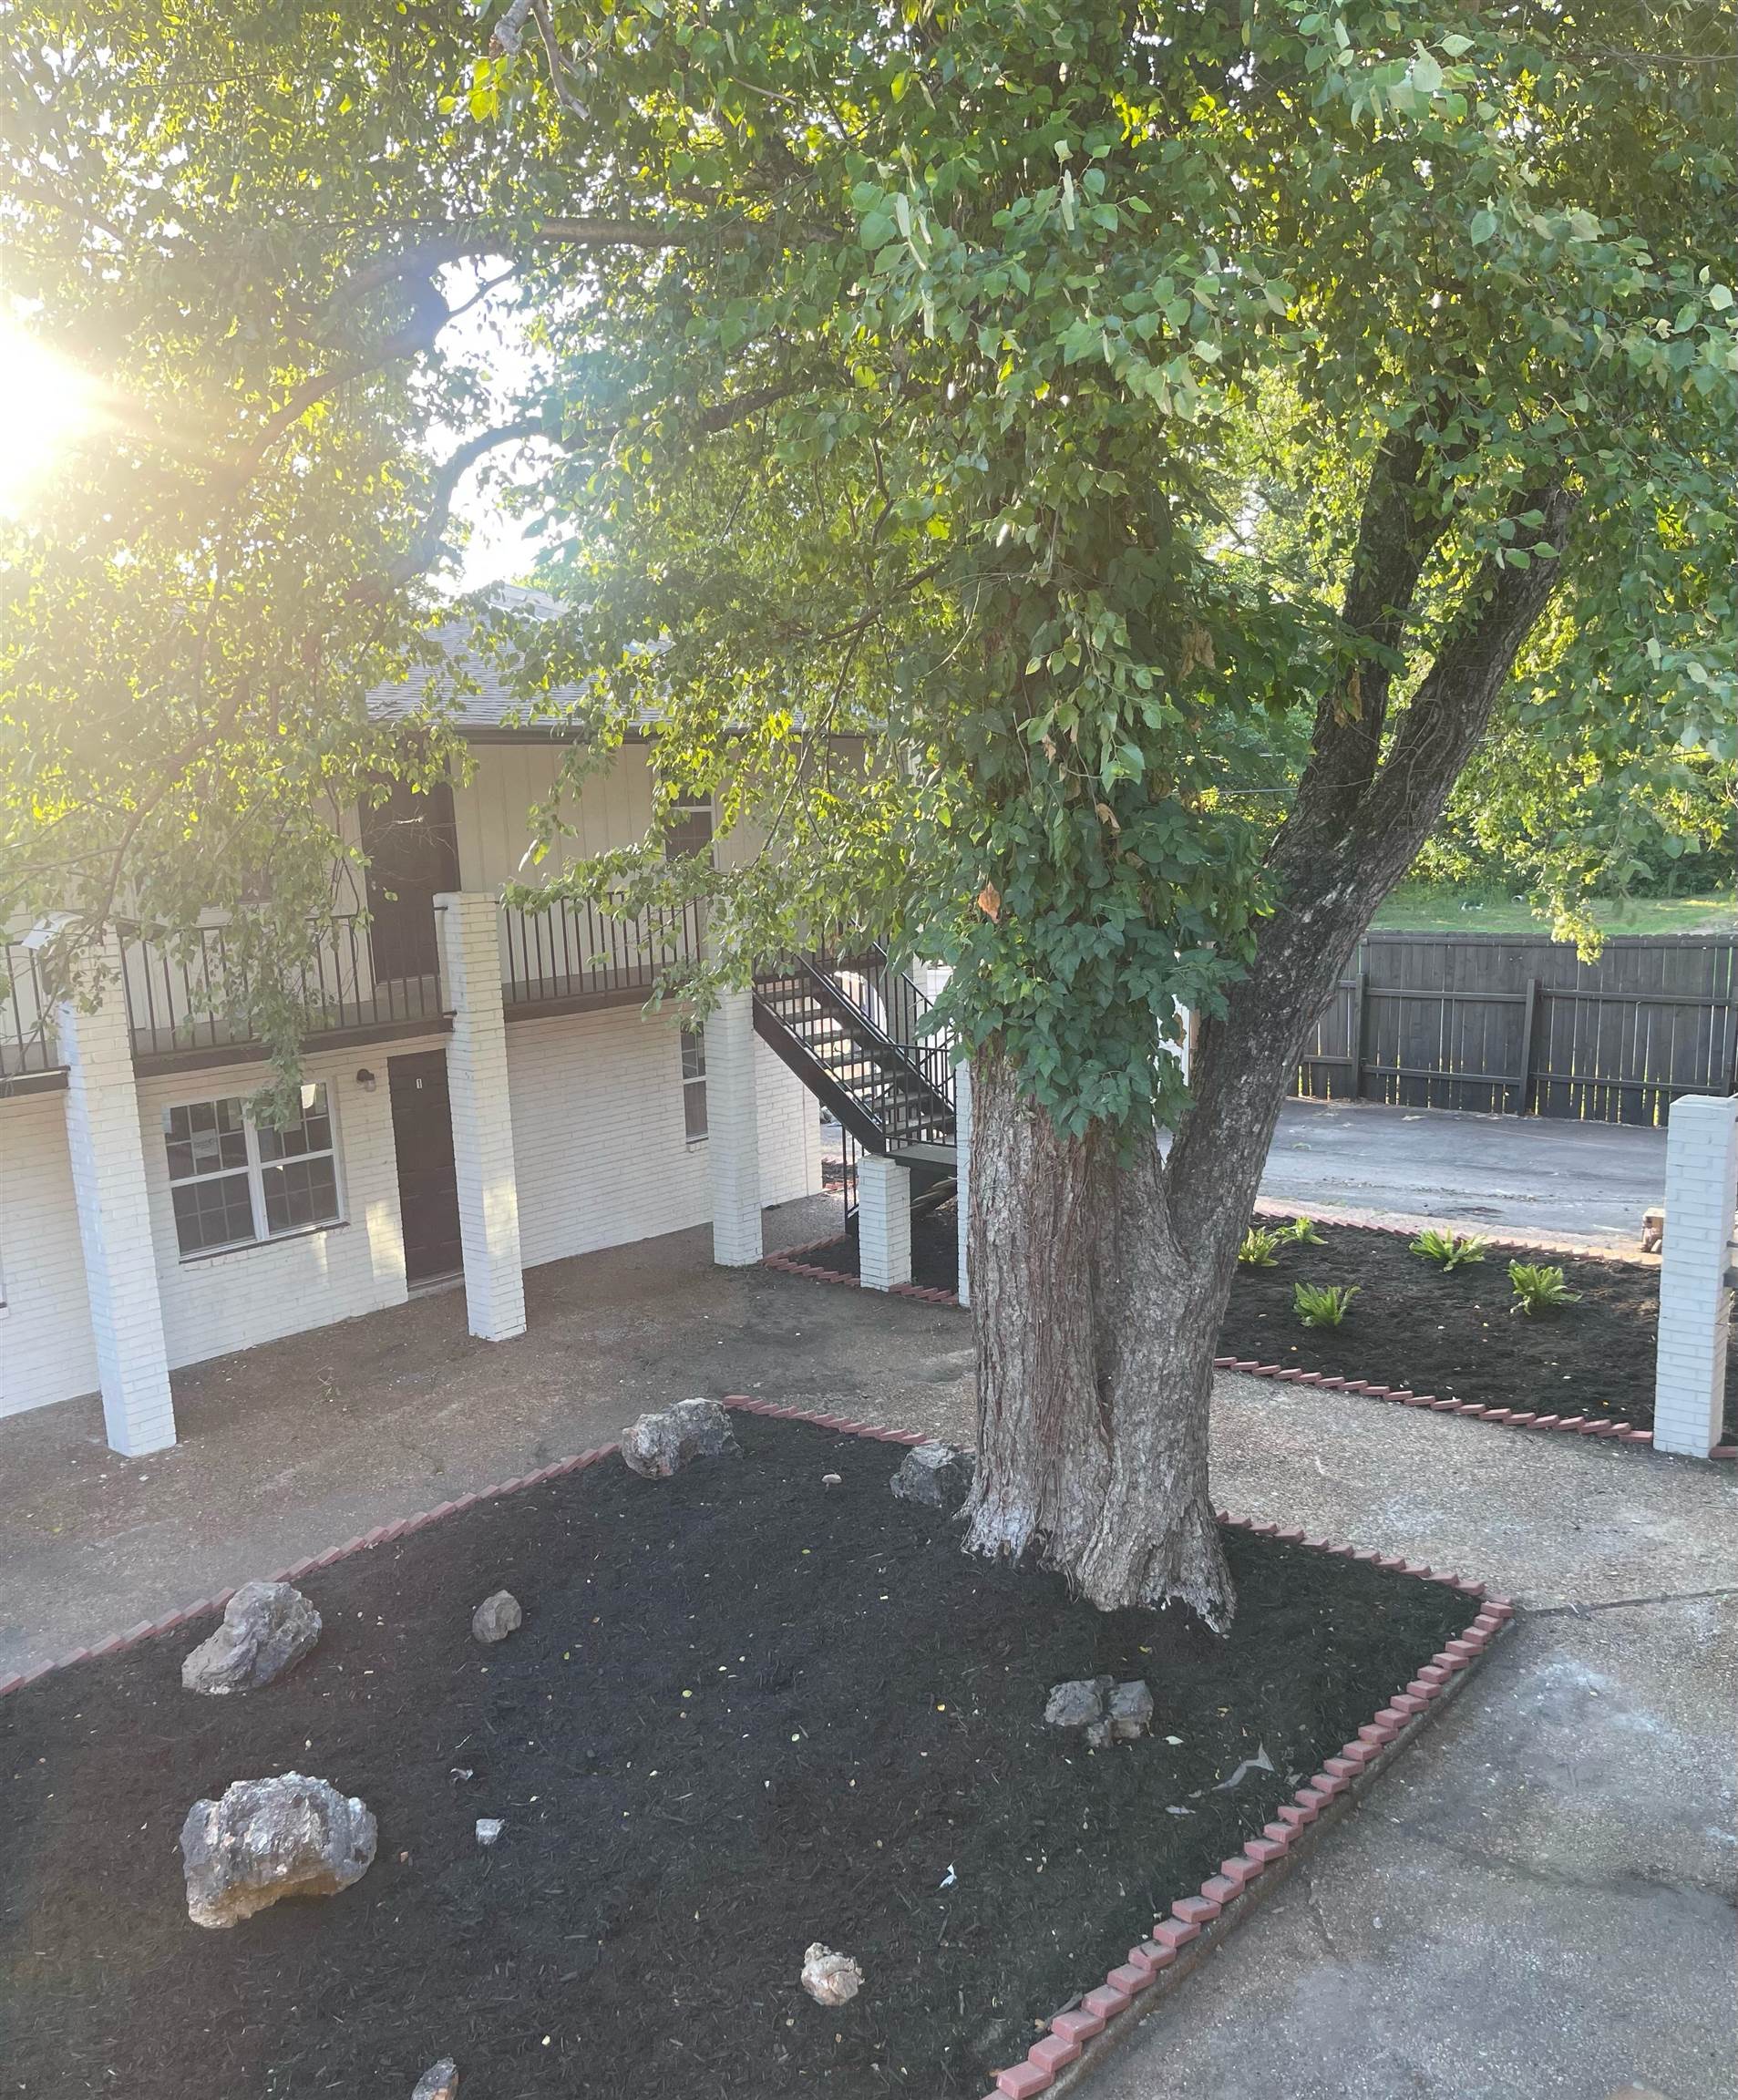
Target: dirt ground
{"type": "Point", "coordinates": [1541, 1899]}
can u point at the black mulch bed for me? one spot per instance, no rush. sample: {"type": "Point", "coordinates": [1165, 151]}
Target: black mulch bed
{"type": "Point", "coordinates": [744, 1713]}
{"type": "Point", "coordinates": [1412, 1325]}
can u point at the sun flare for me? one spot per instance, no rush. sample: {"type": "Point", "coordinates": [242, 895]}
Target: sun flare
{"type": "Point", "coordinates": [45, 402]}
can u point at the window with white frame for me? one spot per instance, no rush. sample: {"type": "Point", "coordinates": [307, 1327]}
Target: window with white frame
{"type": "Point", "coordinates": [694, 1082]}
{"type": "Point", "coordinates": [233, 1182]}
{"type": "Point", "coordinates": [690, 829]}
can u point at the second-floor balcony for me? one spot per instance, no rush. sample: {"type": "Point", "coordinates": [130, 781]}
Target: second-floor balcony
{"type": "Point", "coordinates": [194, 998]}
{"type": "Point", "coordinates": [571, 956]}
{"type": "Point", "coordinates": [29, 1056]}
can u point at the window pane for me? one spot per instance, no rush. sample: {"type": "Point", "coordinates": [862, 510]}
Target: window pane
{"type": "Point", "coordinates": [300, 1193]}
{"type": "Point", "coordinates": [310, 1133]}
{"type": "Point", "coordinates": [689, 831]}
{"type": "Point", "coordinates": [205, 1137]}
{"type": "Point", "coordinates": [694, 1107]}
{"type": "Point", "coordinates": [215, 1213]}
{"type": "Point", "coordinates": [694, 1053]}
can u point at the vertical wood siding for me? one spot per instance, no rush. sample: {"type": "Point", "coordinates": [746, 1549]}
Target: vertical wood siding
{"type": "Point", "coordinates": [1520, 1026]}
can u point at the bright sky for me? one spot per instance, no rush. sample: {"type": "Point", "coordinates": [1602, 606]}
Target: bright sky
{"type": "Point", "coordinates": [47, 404]}
{"type": "Point", "coordinates": [44, 404]}
{"type": "Point", "coordinates": [489, 336]}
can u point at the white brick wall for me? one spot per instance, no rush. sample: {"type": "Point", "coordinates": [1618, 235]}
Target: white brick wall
{"type": "Point", "coordinates": [217, 1302]}
{"type": "Point", "coordinates": [602, 1157]}
{"type": "Point", "coordinates": [790, 1131]}
{"type": "Point", "coordinates": [46, 1349]}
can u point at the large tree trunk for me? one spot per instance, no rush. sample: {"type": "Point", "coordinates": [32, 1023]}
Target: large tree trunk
{"type": "Point", "coordinates": [1099, 1277]}
{"type": "Point", "coordinates": [1095, 1338]}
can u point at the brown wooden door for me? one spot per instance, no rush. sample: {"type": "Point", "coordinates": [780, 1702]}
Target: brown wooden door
{"type": "Point", "coordinates": [413, 855]}
{"type": "Point", "coordinates": [422, 1134]}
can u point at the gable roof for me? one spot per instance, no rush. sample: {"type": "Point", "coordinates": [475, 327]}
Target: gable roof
{"type": "Point", "coordinates": [488, 712]}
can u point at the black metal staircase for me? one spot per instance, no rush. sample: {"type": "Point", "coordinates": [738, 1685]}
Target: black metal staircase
{"type": "Point", "coordinates": [849, 1027]}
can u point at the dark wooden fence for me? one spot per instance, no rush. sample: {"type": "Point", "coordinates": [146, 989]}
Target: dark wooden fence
{"type": "Point", "coordinates": [1521, 1027]}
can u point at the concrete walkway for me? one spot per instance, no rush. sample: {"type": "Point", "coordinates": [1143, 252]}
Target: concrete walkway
{"type": "Point", "coordinates": [1566, 1184]}
{"type": "Point", "coordinates": [1539, 1900]}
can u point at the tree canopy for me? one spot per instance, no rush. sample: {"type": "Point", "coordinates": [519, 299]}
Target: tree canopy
{"type": "Point", "coordinates": [1145, 426]}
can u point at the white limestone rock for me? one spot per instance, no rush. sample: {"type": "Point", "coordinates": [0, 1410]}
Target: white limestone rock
{"type": "Point", "coordinates": [662, 1444]}
{"type": "Point", "coordinates": [269, 1839]}
{"type": "Point", "coordinates": [268, 1627]}
{"type": "Point", "coordinates": [831, 1979]}
{"type": "Point", "coordinates": [1128, 1712]}
{"type": "Point", "coordinates": [1077, 1702]}
{"type": "Point", "coordinates": [935, 1475]}
{"type": "Point", "coordinates": [496, 1617]}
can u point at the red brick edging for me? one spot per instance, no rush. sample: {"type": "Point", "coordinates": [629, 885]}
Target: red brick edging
{"type": "Point", "coordinates": [1198, 1919]}
{"type": "Point", "coordinates": [1501, 1417]}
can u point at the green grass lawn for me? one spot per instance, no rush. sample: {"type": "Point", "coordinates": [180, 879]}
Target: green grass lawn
{"type": "Point", "coordinates": [1427, 908]}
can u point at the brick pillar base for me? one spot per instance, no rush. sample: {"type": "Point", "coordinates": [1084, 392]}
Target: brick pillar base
{"type": "Point", "coordinates": [883, 1222]}
{"type": "Point", "coordinates": [1695, 1306]}
{"type": "Point", "coordinates": [732, 1131]}
{"type": "Point", "coordinates": [482, 1116]}
{"type": "Point", "coordinates": [107, 1149]}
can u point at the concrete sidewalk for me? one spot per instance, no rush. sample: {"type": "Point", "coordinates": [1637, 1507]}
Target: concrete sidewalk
{"type": "Point", "coordinates": [1538, 1901]}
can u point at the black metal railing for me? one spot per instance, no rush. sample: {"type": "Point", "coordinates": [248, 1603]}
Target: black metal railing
{"type": "Point", "coordinates": [202, 989]}
{"type": "Point", "coordinates": [570, 953]}
{"type": "Point", "coordinates": [895, 1003]}
{"type": "Point", "coordinates": [27, 1041]}
{"type": "Point", "coordinates": [846, 1057]}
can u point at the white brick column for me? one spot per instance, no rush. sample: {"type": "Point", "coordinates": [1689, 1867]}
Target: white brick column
{"type": "Point", "coordinates": [732, 1131]}
{"type": "Point", "coordinates": [1695, 1306]}
{"type": "Point", "coordinates": [883, 1222]}
{"type": "Point", "coordinates": [106, 1150]}
{"type": "Point", "coordinates": [962, 1170]}
{"type": "Point", "coordinates": [482, 1116]}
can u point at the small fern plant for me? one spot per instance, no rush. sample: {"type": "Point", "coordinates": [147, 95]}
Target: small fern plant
{"type": "Point", "coordinates": [1538, 1287]}
{"type": "Point", "coordinates": [1323, 1304]}
{"type": "Point", "coordinates": [1300, 1232]}
{"type": "Point", "coordinates": [1449, 1251]}
{"type": "Point", "coordinates": [1260, 1248]}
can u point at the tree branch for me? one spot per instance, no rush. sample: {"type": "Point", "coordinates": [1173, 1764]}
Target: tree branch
{"type": "Point", "coordinates": [470, 237]}
{"type": "Point", "coordinates": [1326, 904]}
{"type": "Point", "coordinates": [1396, 535]}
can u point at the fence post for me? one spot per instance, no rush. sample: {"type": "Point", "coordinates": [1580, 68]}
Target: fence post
{"type": "Point", "coordinates": [1355, 1046]}
{"type": "Point", "coordinates": [1528, 1013]}
{"type": "Point", "coordinates": [1695, 1302]}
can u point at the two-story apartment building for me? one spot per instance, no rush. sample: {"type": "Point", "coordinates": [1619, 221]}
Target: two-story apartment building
{"type": "Point", "coordinates": [483, 1093]}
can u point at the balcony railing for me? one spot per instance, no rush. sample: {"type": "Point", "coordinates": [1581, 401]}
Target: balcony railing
{"type": "Point", "coordinates": [27, 1043]}
{"type": "Point", "coordinates": [196, 992]}
{"type": "Point", "coordinates": [574, 956]}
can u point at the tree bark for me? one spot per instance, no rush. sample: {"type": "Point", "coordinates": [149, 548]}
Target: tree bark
{"type": "Point", "coordinates": [1096, 1332]}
